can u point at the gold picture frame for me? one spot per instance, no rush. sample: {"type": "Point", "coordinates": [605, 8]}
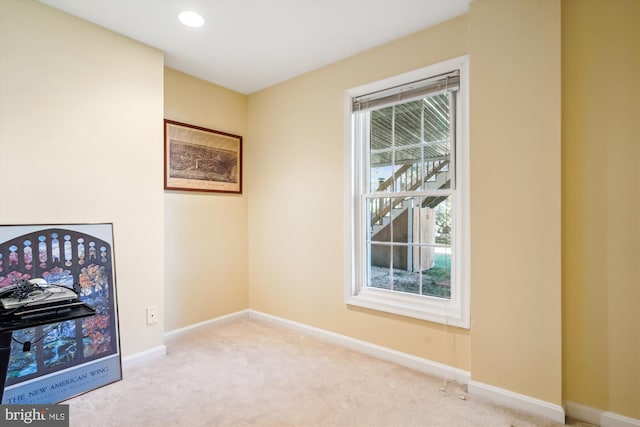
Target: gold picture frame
{"type": "Point", "coordinates": [201, 159]}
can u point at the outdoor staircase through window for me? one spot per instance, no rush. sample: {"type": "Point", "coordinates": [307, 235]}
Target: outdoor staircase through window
{"type": "Point", "coordinates": [406, 178]}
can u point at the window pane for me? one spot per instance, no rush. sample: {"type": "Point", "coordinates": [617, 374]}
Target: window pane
{"type": "Point", "coordinates": [436, 220]}
{"type": "Point", "coordinates": [407, 127]}
{"type": "Point", "coordinates": [379, 218]}
{"type": "Point", "coordinates": [405, 279]}
{"type": "Point", "coordinates": [436, 118]}
{"type": "Point", "coordinates": [381, 178]}
{"type": "Point", "coordinates": [405, 177]}
{"type": "Point", "coordinates": [439, 150]}
{"type": "Point", "coordinates": [378, 266]}
{"type": "Point", "coordinates": [381, 125]}
{"type": "Point", "coordinates": [443, 213]}
{"type": "Point", "coordinates": [437, 176]}
{"type": "Point", "coordinates": [381, 159]}
{"type": "Point", "coordinates": [381, 153]}
{"type": "Point", "coordinates": [424, 220]}
{"type": "Point", "coordinates": [408, 156]}
{"type": "Point", "coordinates": [436, 277]}
{"type": "Point", "coordinates": [402, 219]}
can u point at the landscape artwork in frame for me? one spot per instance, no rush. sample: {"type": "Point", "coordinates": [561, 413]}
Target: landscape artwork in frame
{"type": "Point", "coordinates": [71, 357]}
{"type": "Point", "coordinates": [200, 159]}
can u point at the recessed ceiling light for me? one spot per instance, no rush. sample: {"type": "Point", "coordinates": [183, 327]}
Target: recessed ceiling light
{"type": "Point", "coordinates": [191, 19]}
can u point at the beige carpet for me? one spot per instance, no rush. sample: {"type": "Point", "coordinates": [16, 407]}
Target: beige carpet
{"type": "Point", "coordinates": [250, 373]}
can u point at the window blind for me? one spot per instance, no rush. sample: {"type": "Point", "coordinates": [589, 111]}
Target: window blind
{"type": "Point", "coordinates": [427, 87]}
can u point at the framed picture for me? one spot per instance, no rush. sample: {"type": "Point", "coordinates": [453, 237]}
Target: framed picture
{"type": "Point", "coordinates": [200, 159]}
{"type": "Point", "coordinates": [71, 357]}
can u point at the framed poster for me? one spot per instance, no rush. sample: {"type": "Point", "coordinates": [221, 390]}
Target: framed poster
{"type": "Point", "coordinates": [72, 357]}
{"type": "Point", "coordinates": [200, 159]}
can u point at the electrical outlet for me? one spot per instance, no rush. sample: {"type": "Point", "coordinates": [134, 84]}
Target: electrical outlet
{"type": "Point", "coordinates": [152, 315]}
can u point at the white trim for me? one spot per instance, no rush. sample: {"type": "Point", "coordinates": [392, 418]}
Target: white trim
{"type": "Point", "coordinates": [456, 310]}
{"type": "Point", "coordinates": [599, 417]}
{"type": "Point", "coordinates": [349, 200]}
{"type": "Point", "coordinates": [517, 401]}
{"type": "Point", "coordinates": [403, 359]}
{"type": "Point", "coordinates": [207, 324]}
{"type": "Point", "coordinates": [610, 419]}
{"type": "Point", "coordinates": [583, 413]}
{"type": "Point", "coordinates": [416, 306]}
{"type": "Point", "coordinates": [143, 358]}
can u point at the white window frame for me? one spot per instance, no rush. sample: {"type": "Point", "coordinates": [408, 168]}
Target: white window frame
{"type": "Point", "coordinates": [456, 310]}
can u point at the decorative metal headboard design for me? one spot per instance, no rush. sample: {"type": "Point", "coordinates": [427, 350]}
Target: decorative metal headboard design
{"type": "Point", "coordinates": [71, 259]}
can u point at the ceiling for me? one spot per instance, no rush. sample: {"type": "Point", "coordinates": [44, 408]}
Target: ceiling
{"type": "Point", "coordinates": [248, 45]}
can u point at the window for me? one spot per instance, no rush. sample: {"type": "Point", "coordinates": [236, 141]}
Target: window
{"type": "Point", "coordinates": [408, 196]}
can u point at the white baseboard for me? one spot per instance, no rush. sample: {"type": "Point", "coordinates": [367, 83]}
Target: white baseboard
{"type": "Point", "coordinates": [583, 413]}
{"type": "Point", "coordinates": [610, 419]}
{"type": "Point", "coordinates": [517, 401]}
{"type": "Point", "coordinates": [143, 358]}
{"type": "Point", "coordinates": [416, 363]}
{"type": "Point", "coordinates": [208, 324]}
{"type": "Point", "coordinates": [599, 417]}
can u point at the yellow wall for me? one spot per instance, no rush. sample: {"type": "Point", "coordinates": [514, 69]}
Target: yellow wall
{"type": "Point", "coordinates": [296, 202]}
{"type": "Point", "coordinates": [205, 233]}
{"type": "Point", "coordinates": [515, 196]}
{"type": "Point", "coordinates": [601, 203]}
{"type": "Point", "coordinates": [80, 141]}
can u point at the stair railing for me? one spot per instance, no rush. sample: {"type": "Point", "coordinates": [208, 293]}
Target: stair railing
{"type": "Point", "coordinates": [406, 178]}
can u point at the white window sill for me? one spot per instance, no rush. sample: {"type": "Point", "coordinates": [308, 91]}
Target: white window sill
{"type": "Point", "coordinates": [439, 310]}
